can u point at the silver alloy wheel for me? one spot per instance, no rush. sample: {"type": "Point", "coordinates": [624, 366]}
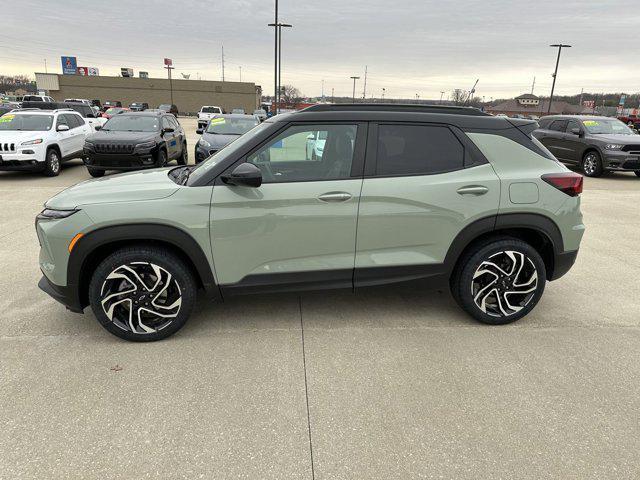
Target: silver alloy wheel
{"type": "Point", "coordinates": [590, 164]}
{"type": "Point", "coordinates": [141, 297]}
{"type": "Point", "coordinates": [504, 284]}
{"type": "Point", "coordinates": [54, 161]}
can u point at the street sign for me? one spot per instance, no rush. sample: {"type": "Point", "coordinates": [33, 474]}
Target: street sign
{"type": "Point", "coordinates": [168, 62]}
{"type": "Point", "coordinates": [69, 65]}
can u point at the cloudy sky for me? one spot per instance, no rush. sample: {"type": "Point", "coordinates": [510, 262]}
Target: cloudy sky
{"type": "Point", "coordinates": [410, 46]}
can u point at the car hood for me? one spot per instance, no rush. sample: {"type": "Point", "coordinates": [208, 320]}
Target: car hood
{"type": "Point", "coordinates": [19, 136]}
{"type": "Point", "coordinates": [125, 187]}
{"type": "Point", "coordinates": [622, 139]}
{"type": "Point", "coordinates": [219, 141]}
{"type": "Point", "coordinates": [118, 136]}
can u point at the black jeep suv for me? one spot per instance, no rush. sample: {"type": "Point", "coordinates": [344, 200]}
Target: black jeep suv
{"type": "Point", "coordinates": [136, 140]}
{"type": "Point", "coordinates": [595, 144]}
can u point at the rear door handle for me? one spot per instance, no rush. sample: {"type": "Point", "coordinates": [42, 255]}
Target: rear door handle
{"type": "Point", "coordinates": [473, 190]}
{"type": "Point", "coordinates": [334, 197]}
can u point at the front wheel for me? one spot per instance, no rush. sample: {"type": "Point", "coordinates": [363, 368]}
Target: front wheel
{"type": "Point", "coordinates": [499, 281]}
{"type": "Point", "coordinates": [162, 158]}
{"type": "Point", "coordinates": [592, 164]}
{"type": "Point", "coordinates": [637, 172]}
{"type": "Point", "coordinates": [142, 294]}
{"type": "Point", "coordinates": [95, 173]}
{"type": "Point", "coordinates": [52, 163]}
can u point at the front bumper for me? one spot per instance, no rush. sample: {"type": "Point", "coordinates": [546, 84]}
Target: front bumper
{"type": "Point", "coordinates": [27, 157]}
{"type": "Point", "coordinates": [120, 161]}
{"type": "Point", "coordinates": [22, 165]}
{"type": "Point", "coordinates": [621, 161]}
{"type": "Point", "coordinates": [68, 296]}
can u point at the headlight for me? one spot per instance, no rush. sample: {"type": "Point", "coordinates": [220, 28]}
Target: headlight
{"type": "Point", "coordinates": [144, 145]}
{"type": "Point", "coordinates": [613, 146]}
{"type": "Point", "coordinates": [203, 143]}
{"type": "Point", "coordinates": [50, 213]}
{"type": "Point", "coordinates": [32, 142]}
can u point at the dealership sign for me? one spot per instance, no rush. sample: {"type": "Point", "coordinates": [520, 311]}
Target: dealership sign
{"type": "Point", "coordinates": [84, 71]}
{"type": "Point", "coordinates": [69, 65]}
{"type": "Point", "coordinates": [93, 71]}
{"type": "Point", "coordinates": [168, 62]}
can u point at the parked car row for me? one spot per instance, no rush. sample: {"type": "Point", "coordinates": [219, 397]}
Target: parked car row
{"type": "Point", "coordinates": [41, 139]}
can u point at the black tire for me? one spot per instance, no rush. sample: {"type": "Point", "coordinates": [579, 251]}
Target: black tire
{"type": "Point", "coordinates": [592, 164]}
{"type": "Point", "coordinates": [637, 172]}
{"type": "Point", "coordinates": [52, 163]}
{"type": "Point", "coordinates": [183, 159]}
{"type": "Point", "coordinates": [510, 268]}
{"type": "Point", "coordinates": [161, 277]}
{"type": "Point", "coordinates": [162, 159]}
{"type": "Point", "coordinates": [96, 173]}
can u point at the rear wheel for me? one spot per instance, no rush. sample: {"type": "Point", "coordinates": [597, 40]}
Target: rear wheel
{"type": "Point", "coordinates": [52, 163]}
{"type": "Point", "coordinates": [592, 164]}
{"type": "Point", "coordinates": [184, 156]}
{"type": "Point", "coordinates": [142, 294]}
{"type": "Point", "coordinates": [95, 173]}
{"type": "Point", "coordinates": [499, 281]}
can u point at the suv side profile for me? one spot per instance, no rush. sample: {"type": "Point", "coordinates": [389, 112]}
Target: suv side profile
{"type": "Point", "coordinates": [593, 143]}
{"type": "Point", "coordinates": [38, 140]}
{"type": "Point", "coordinates": [442, 196]}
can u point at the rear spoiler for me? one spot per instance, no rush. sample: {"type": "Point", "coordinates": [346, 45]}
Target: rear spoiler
{"type": "Point", "coordinates": [525, 126]}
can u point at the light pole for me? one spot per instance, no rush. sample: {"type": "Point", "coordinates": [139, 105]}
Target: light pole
{"type": "Point", "coordinates": [278, 26]}
{"type": "Point", "coordinates": [275, 62]}
{"type": "Point", "coordinates": [383, 92]}
{"type": "Point", "coordinates": [559, 46]}
{"type": "Point", "coordinates": [353, 97]}
{"type": "Point", "coordinates": [441, 95]}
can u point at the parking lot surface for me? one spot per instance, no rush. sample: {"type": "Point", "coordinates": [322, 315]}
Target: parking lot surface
{"type": "Point", "coordinates": [385, 384]}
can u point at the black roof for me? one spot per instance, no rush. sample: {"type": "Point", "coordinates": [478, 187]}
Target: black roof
{"type": "Point", "coordinates": [462, 117]}
{"type": "Point", "coordinates": [145, 113]}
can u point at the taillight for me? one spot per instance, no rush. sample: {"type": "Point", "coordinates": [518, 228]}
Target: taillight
{"type": "Point", "coordinates": [567, 182]}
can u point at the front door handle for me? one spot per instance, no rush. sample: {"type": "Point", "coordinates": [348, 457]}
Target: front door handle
{"type": "Point", "coordinates": [334, 197]}
{"type": "Point", "coordinates": [473, 190]}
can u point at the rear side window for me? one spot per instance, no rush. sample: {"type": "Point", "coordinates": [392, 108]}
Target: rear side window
{"type": "Point", "coordinates": [417, 150]}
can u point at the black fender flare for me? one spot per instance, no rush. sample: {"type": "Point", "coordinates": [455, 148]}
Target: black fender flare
{"type": "Point", "coordinates": [532, 221]}
{"type": "Point", "coordinates": [138, 232]}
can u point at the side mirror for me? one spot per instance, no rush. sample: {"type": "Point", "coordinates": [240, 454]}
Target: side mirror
{"type": "Point", "coordinates": [168, 130]}
{"type": "Point", "coordinates": [245, 174]}
{"type": "Point", "coordinates": [199, 131]}
{"type": "Point", "coordinates": [98, 127]}
{"type": "Point", "coordinates": [578, 131]}
{"type": "Point", "coordinates": [62, 128]}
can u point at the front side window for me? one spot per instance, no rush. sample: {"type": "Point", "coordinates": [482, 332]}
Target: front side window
{"type": "Point", "coordinates": [32, 123]}
{"type": "Point", "coordinates": [62, 120]}
{"type": "Point", "coordinates": [417, 150]}
{"type": "Point", "coordinates": [132, 123]}
{"type": "Point", "coordinates": [571, 125]}
{"type": "Point", "coordinates": [558, 125]}
{"type": "Point", "coordinates": [307, 153]}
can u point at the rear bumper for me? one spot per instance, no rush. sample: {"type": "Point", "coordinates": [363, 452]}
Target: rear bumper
{"type": "Point", "coordinates": [68, 296]}
{"type": "Point", "coordinates": [562, 264]}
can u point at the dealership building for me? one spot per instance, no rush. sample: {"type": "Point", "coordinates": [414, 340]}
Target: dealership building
{"type": "Point", "coordinates": [188, 95]}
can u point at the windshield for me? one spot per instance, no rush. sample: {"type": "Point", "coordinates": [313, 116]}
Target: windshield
{"type": "Point", "coordinates": [132, 123]}
{"type": "Point", "coordinates": [33, 123]}
{"type": "Point", "coordinates": [164, 107]}
{"type": "Point", "coordinates": [202, 168]}
{"type": "Point", "coordinates": [113, 111]}
{"type": "Point", "coordinates": [210, 110]}
{"type": "Point", "coordinates": [231, 126]}
{"type": "Point", "coordinates": [606, 126]}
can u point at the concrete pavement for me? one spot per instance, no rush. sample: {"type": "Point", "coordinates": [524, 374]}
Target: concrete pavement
{"type": "Point", "coordinates": [390, 384]}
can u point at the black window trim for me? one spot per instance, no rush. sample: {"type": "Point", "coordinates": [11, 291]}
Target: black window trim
{"type": "Point", "coordinates": [472, 156]}
{"type": "Point", "coordinates": [357, 164]}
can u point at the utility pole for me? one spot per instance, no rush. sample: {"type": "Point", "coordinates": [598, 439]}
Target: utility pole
{"type": "Point", "coordinates": [332, 98]}
{"type": "Point", "coordinates": [278, 57]}
{"type": "Point", "coordinates": [441, 95]}
{"type": "Point", "coordinates": [240, 67]}
{"type": "Point", "coordinates": [533, 85]}
{"type": "Point", "coordinates": [45, 65]}
{"type": "Point", "coordinates": [364, 90]}
{"type": "Point", "coordinates": [471, 92]}
{"type": "Point", "coordinates": [223, 63]}
{"type": "Point", "coordinates": [581, 93]}
{"type": "Point", "coordinates": [322, 96]}
{"type": "Point", "coordinates": [559, 46]}
{"type": "Point", "coordinates": [383, 92]}
{"type": "Point", "coordinates": [353, 97]}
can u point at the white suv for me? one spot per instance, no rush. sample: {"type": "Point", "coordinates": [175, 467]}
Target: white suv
{"type": "Point", "coordinates": [40, 140]}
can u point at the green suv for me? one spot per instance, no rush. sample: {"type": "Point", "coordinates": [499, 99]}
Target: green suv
{"type": "Point", "coordinates": [443, 197]}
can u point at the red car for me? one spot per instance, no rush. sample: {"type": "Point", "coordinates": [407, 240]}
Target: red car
{"type": "Point", "coordinates": [635, 119]}
{"type": "Point", "coordinates": [110, 112]}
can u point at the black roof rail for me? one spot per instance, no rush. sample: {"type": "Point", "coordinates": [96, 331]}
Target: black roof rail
{"type": "Point", "coordinates": [394, 107]}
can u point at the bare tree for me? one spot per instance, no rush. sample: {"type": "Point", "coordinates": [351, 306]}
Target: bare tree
{"type": "Point", "coordinates": [290, 94]}
{"type": "Point", "coordinates": [458, 96]}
